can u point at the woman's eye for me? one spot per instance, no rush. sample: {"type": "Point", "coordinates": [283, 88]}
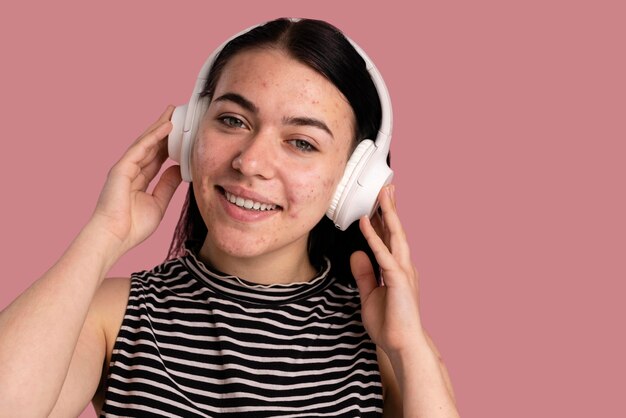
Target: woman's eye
{"type": "Point", "coordinates": [232, 122]}
{"type": "Point", "coordinates": [303, 145]}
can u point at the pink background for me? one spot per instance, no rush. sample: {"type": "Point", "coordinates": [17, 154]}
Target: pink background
{"type": "Point", "coordinates": [509, 148]}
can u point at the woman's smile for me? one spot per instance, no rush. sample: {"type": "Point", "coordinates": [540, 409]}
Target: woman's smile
{"type": "Point", "coordinates": [246, 206]}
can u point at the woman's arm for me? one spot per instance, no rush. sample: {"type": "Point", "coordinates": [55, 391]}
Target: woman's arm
{"type": "Point", "coordinates": [391, 316]}
{"type": "Point", "coordinates": [40, 330]}
{"type": "Point", "coordinates": [85, 380]}
{"type": "Point", "coordinates": [425, 387]}
{"type": "Point", "coordinates": [393, 393]}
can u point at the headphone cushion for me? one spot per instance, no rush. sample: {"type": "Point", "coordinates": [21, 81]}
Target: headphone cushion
{"type": "Point", "coordinates": [342, 187]}
{"type": "Point", "coordinates": [175, 138]}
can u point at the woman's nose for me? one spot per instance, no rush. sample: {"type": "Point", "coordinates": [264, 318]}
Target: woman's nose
{"type": "Point", "coordinates": [257, 157]}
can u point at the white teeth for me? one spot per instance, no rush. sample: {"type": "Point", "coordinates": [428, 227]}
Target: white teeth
{"type": "Point", "coordinates": [247, 203]}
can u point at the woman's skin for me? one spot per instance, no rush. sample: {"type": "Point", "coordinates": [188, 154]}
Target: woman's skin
{"type": "Point", "coordinates": [276, 132]}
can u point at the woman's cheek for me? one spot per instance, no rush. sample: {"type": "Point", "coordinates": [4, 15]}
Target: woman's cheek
{"type": "Point", "coordinates": [311, 196]}
{"type": "Point", "coordinates": [204, 157]}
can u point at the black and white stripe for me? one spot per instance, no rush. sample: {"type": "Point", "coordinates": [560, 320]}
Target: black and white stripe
{"type": "Point", "coordinates": [199, 343]}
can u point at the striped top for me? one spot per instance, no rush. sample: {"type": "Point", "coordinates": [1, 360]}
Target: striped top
{"type": "Point", "coordinates": [195, 342]}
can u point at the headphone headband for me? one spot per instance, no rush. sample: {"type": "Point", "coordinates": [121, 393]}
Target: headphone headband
{"type": "Point", "coordinates": [386, 121]}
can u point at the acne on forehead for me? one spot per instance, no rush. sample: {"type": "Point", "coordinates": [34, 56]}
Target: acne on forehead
{"type": "Point", "coordinates": [309, 84]}
{"type": "Point", "coordinates": [241, 75]}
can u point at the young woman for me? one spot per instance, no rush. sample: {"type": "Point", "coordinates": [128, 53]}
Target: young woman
{"type": "Point", "coordinates": [263, 308]}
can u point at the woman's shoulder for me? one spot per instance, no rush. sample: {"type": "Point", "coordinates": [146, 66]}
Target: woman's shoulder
{"type": "Point", "coordinates": [112, 298]}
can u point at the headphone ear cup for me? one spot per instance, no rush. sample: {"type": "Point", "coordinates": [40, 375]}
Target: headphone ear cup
{"type": "Point", "coordinates": [180, 140]}
{"type": "Point", "coordinates": [175, 138]}
{"type": "Point", "coordinates": [349, 178]}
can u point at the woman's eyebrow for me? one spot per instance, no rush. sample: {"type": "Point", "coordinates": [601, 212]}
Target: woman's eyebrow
{"type": "Point", "coordinates": [308, 121]}
{"type": "Point", "coordinates": [238, 99]}
{"type": "Point", "coordinates": [288, 120]}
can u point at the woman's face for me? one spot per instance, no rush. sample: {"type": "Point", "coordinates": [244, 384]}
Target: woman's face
{"type": "Point", "coordinates": [269, 153]}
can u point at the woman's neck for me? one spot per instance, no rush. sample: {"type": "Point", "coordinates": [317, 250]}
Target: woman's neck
{"type": "Point", "coordinates": [285, 265]}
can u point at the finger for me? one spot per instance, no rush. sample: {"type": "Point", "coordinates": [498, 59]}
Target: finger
{"type": "Point", "coordinates": [384, 257]}
{"type": "Point", "coordinates": [165, 116]}
{"type": "Point", "coordinates": [148, 135]}
{"type": "Point", "coordinates": [158, 151]}
{"type": "Point", "coordinates": [145, 149]}
{"type": "Point", "coordinates": [397, 241]}
{"type": "Point", "coordinates": [140, 155]}
{"type": "Point", "coordinates": [363, 273]}
{"type": "Point", "coordinates": [389, 210]}
{"type": "Point", "coordinates": [166, 186]}
{"type": "Point", "coordinates": [153, 160]}
{"type": "Point", "coordinates": [377, 223]}
{"type": "Point", "coordinates": [379, 226]}
{"type": "Point", "coordinates": [149, 171]}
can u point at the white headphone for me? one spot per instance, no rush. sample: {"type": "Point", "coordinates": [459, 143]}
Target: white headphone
{"type": "Point", "coordinates": [366, 172]}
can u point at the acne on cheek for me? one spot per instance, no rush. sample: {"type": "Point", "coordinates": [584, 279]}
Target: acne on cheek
{"type": "Point", "coordinates": [310, 195]}
{"type": "Point", "coordinates": [202, 157]}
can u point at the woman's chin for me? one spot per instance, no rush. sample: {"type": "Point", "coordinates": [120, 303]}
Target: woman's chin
{"type": "Point", "coordinates": [236, 244]}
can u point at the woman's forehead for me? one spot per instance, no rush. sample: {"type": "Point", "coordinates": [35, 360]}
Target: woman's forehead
{"type": "Point", "coordinates": [271, 80]}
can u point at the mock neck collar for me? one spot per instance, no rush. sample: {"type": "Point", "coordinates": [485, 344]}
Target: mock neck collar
{"type": "Point", "coordinates": [244, 290]}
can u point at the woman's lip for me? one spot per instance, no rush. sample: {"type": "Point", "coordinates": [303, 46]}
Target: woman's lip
{"type": "Point", "coordinates": [247, 194]}
{"type": "Point", "coordinates": [242, 214]}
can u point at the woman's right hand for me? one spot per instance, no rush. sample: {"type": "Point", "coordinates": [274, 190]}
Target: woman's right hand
{"type": "Point", "coordinates": [125, 208]}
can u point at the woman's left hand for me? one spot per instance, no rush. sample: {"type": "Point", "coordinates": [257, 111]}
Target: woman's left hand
{"type": "Point", "coordinates": [390, 311]}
